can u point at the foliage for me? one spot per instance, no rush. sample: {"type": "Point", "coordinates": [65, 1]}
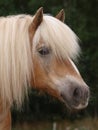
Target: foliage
{"type": "Point", "coordinates": [81, 16]}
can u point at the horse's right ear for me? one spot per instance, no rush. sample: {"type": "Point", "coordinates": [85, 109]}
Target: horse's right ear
{"type": "Point", "coordinates": [61, 15]}
{"type": "Point", "coordinates": [36, 21]}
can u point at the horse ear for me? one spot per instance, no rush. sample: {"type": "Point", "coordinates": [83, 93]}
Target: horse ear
{"type": "Point", "coordinates": [36, 21]}
{"type": "Point", "coordinates": [61, 15]}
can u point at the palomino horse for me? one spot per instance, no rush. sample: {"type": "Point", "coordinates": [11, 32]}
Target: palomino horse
{"type": "Point", "coordinates": [38, 51]}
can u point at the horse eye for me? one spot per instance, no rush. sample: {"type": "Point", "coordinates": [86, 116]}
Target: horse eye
{"type": "Point", "coordinates": [44, 51]}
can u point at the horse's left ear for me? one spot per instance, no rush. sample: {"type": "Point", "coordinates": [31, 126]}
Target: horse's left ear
{"type": "Point", "coordinates": [36, 21]}
{"type": "Point", "coordinates": [61, 15]}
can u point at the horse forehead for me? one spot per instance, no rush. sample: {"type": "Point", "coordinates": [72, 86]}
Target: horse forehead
{"type": "Point", "coordinates": [56, 35]}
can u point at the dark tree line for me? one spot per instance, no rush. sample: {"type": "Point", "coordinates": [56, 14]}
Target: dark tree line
{"type": "Point", "coordinates": [82, 17]}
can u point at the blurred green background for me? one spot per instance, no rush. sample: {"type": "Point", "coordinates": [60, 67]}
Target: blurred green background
{"type": "Point", "coordinates": [82, 17]}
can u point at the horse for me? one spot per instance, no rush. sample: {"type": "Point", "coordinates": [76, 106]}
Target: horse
{"type": "Point", "coordinates": [38, 51]}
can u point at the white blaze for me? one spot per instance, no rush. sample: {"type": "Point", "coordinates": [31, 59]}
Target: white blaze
{"type": "Point", "coordinates": [74, 66]}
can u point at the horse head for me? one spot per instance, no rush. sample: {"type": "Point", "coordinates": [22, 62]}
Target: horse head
{"type": "Point", "coordinates": [54, 47]}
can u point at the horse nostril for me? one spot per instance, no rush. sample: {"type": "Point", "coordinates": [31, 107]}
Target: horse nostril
{"type": "Point", "coordinates": [80, 94]}
{"type": "Point", "coordinates": [76, 93]}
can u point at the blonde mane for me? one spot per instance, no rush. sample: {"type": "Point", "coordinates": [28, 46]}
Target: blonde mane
{"type": "Point", "coordinates": [16, 55]}
{"type": "Point", "coordinates": [15, 58]}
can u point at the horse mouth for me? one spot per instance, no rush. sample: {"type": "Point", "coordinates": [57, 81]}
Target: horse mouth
{"type": "Point", "coordinates": [80, 106]}
{"type": "Point", "coordinates": [74, 106]}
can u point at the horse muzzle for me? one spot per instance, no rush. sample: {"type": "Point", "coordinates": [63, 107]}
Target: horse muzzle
{"type": "Point", "coordinates": [75, 95]}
